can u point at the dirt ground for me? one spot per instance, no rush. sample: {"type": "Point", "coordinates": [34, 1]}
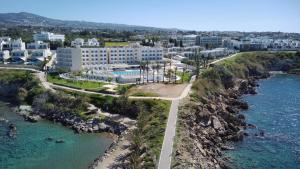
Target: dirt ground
{"type": "Point", "coordinates": [158, 89]}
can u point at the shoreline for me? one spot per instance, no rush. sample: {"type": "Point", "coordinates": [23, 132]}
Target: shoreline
{"type": "Point", "coordinates": [259, 132]}
{"type": "Point", "coordinates": [217, 132]}
{"type": "Point", "coordinates": [118, 148]}
{"type": "Point", "coordinates": [212, 135]}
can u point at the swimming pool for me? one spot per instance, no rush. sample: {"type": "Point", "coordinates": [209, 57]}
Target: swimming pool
{"type": "Point", "coordinates": [127, 72]}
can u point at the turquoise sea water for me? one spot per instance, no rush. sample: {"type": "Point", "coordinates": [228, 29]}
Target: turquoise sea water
{"type": "Point", "coordinates": [276, 111]}
{"type": "Point", "coordinates": [31, 150]}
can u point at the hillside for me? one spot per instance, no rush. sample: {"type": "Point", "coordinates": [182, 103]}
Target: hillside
{"type": "Point", "coordinates": [29, 19]}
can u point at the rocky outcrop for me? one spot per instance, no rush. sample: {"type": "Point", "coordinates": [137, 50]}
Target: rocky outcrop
{"type": "Point", "coordinates": [71, 120]}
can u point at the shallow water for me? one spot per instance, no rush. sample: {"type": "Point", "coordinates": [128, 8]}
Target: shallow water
{"type": "Point", "coordinates": [275, 110]}
{"type": "Point", "coordinates": [31, 150]}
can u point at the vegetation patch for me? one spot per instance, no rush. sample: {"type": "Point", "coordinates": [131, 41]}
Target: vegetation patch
{"type": "Point", "coordinates": [19, 86]}
{"type": "Point", "coordinates": [79, 84]}
{"type": "Point", "coordinates": [145, 94]}
{"type": "Point", "coordinates": [112, 44]}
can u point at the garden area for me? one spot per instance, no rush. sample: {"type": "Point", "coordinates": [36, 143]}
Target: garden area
{"type": "Point", "coordinates": [78, 84]}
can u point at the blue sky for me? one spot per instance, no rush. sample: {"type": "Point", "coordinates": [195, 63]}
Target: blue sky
{"type": "Point", "coordinates": [202, 15]}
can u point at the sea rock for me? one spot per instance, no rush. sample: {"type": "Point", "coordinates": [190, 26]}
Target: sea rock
{"type": "Point", "coordinates": [12, 130]}
{"type": "Point", "coordinates": [32, 118]}
{"type": "Point", "coordinates": [59, 141]}
{"type": "Point", "coordinates": [227, 147]}
{"type": "Point", "coordinates": [49, 139]}
{"type": "Point", "coordinates": [251, 126]}
{"type": "Point", "coordinates": [216, 124]}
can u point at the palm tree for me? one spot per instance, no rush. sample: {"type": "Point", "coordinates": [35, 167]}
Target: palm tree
{"type": "Point", "coordinates": [183, 73]}
{"type": "Point", "coordinates": [157, 70]}
{"type": "Point", "coordinates": [170, 57]}
{"type": "Point", "coordinates": [164, 71]}
{"type": "Point", "coordinates": [153, 71]}
{"type": "Point", "coordinates": [144, 72]}
{"type": "Point", "coordinates": [147, 69]}
{"type": "Point", "coordinates": [141, 64]}
{"type": "Point", "coordinates": [169, 74]}
{"type": "Point", "coordinates": [175, 74]}
{"type": "Point", "coordinates": [209, 57]}
{"type": "Point", "coordinates": [197, 61]}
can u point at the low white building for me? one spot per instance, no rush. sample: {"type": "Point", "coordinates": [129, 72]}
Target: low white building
{"type": "Point", "coordinates": [17, 44]}
{"type": "Point", "coordinates": [5, 43]}
{"type": "Point", "coordinates": [79, 42]}
{"type": "Point", "coordinates": [217, 52]}
{"type": "Point", "coordinates": [37, 45]}
{"type": "Point", "coordinates": [48, 36]}
{"type": "Point", "coordinates": [188, 52]}
{"type": "Point", "coordinates": [19, 55]}
{"type": "Point", "coordinates": [4, 55]}
{"type": "Point", "coordinates": [39, 54]}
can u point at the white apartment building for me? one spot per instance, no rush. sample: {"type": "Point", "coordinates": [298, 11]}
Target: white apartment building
{"type": "Point", "coordinates": [4, 55]}
{"type": "Point", "coordinates": [17, 44]}
{"type": "Point", "coordinates": [188, 52]}
{"type": "Point", "coordinates": [188, 40]}
{"type": "Point", "coordinates": [37, 45]}
{"type": "Point", "coordinates": [217, 52]}
{"type": "Point", "coordinates": [6, 43]}
{"type": "Point", "coordinates": [48, 36]}
{"type": "Point", "coordinates": [209, 41]}
{"type": "Point", "coordinates": [19, 55]}
{"type": "Point", "coordinates": [38, 50]}
{"type": "Point", "coordinates": [76, 59]}
{"type": "Point", "coordinates": [40, 54]}
{"type": "Point", "coordinates": [5, 39]}
{"type": "Point", "coordinates": [79, 42]}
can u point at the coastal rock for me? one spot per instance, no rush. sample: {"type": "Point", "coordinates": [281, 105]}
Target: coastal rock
{"type": "Point", "coordinates": [251, 126]}
{"type": "Point", "coordinates": [216, 124]}
{"type": "Point", "coordinates": [59, 141]}
{"type": "Point", "coordinates": [32, 118]}
{"type": "Point", "coordinates": [12, 130]}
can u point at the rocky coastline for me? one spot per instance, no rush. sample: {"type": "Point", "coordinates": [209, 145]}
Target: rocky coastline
{"type": "Point", "coordinates": [213, 125]}
{"type": "Point", "coordinates": [70, 120]}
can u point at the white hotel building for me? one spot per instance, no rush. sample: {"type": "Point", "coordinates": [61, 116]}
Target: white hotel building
{"type": "Point", "coordinates": [76, 59]}
{"type": "Point", "coordinates": [48, 36]}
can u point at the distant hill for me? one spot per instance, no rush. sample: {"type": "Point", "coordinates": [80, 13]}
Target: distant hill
{"type": "Point", "coordinates": [29, 19]}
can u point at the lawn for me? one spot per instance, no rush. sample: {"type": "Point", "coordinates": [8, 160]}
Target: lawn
{"type": "Point", "coordinates": [109, 44]}
{"type": "Point", "coordinates": [87, 85]}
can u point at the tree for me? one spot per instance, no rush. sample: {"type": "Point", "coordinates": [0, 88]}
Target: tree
{"type": "Point", "coordinates": [147, 70]}
{"type": "Point", "coordinates": [175, 73]}
{"type": "Point", "coordinates": [180, 43]}
{"type": "Point", "coordinates": [143, 71]}
{"type": "Point", "coordinates": [169, 74]}
{"type": "Point", "coordinates": [164, 71]}
{"type": "Point", "coordinates": [153, 71]}
{"type": "Point", "coordinates": [157, 70]}
{"type": "Point", "coordinates": [175, 43]}
{"type": "Point", "coordinates": [141, 65]}
{"type": "Point", "coordinates": [197, 61]}
{"type": "Point", "coordinates": [183, 73]}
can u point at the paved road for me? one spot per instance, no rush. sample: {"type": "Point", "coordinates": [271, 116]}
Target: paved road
{"type": "Point", "coordinates": [167, 148]}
